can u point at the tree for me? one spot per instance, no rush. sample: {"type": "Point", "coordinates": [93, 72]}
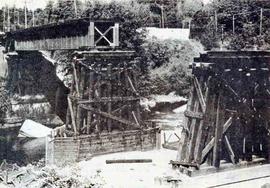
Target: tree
{"type": "Point", "coordinates": [246, 24]}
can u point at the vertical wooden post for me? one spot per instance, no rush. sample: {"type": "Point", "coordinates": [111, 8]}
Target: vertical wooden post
{"type": "Point", "coordinates": [193, 134]}
{"type": "Point", "coordinates": [82, 81]}
{"type": "Point", "coordinates": [204, 124]}
{"type": "Point", "coordinates": [92, 34]}
{"type": "Point", "coordinates": [70, 106]}
{"type": "Point", "coordinates": [211, 130]}
{"type": "Point", "coordinates": [109, 74]}
{"type": "Point", "coordinates": [76, 79]}
{"type": "Point", "coordinates": [98, 126]}
{"type": "Point", "coordinates": [91, 94]}
{"type": "Point", "coordinates": [182, 148]}
{"type": "Point", "coordinates": [218, 131]}
{"type": "Point", "coordinates": [261, 20]}
{"type": "Point", "coordinates": [68, 109]}
{"type": "Point", "coordinates": [127, 93]}
{"type": "Point", "coordinates": [116, 35]}
{"type": "Point", "coordinates": [195, 124]}
{"type": "Point", "coordinates": [119, 86]}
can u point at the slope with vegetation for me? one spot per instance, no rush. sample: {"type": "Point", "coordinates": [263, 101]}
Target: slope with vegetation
{"type": "Point", "coordinates": [208, 22]}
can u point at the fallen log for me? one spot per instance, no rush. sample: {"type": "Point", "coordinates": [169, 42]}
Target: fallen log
{"type": "Point", "coordinates": [129, 161]}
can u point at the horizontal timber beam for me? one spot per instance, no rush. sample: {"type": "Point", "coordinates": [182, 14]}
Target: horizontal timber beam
{"type": "Point", "coordinates": [106, 99]}
{"type": "Point", "coordinates": [196, 115]}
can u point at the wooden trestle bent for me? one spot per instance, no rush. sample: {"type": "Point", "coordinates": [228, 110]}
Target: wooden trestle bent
{"type": "Point", "coordinates": [227, 112]}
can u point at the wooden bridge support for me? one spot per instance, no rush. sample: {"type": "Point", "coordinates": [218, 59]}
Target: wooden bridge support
{"type": "Point", "coordinates": [104, 96]}
{"type": "Point", "coordinates": [227, 114]}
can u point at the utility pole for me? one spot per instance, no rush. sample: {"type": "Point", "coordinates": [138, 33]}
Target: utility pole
{"type": "Point", "coordinates": [25, 15]}
{"type": "Point", "coordinates": [18, 17]}
{"type": "Point", "coordinates": [222, 33]}
{"type": "Point", "coordinates": [261, 19]}
{"type": "Point", "coordinates": [233, 24]}
{"type": "Point", "coordinates": [8, 19]}
{"type": "Point", "coordinates": [216, 22]}
{"type": "Point", "coordinates": [4, 19]}
{"type": "Point", "coordinates": [75, 7]}
{"type": "Point", "coordinates": [162, 17]}
{"type": "Point", "coordinates": [33, 18]}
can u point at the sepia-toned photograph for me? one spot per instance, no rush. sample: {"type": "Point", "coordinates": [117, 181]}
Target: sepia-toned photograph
{"type": "Point", "coordinates": [134, 94]}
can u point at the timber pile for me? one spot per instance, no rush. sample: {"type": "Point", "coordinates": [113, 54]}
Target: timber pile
{"type": "Point", "coordinates": [227, 114]}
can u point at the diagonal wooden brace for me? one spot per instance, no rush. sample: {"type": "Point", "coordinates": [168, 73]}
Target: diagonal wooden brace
{"type": "Point", "coordinates": [210, 145]}
{"type": "Point", "coordinates": [103, 35]}
{"type": "Point", "coordinates": [107, 115]}
{"type": "Point", "coordinates": [200, 94]}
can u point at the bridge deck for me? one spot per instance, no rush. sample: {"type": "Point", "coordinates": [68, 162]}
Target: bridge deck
{"type": "Point", "coordinates": [72, 34]}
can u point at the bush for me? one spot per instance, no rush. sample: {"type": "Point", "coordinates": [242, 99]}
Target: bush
{"type": "Point", "coordinates": [168, 63]}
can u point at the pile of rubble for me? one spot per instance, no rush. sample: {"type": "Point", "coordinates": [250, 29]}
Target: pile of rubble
{"type": "Point", "coordinates": [39, 176]}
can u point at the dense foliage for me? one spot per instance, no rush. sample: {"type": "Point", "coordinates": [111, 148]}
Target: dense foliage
{"type": "Point", "coordinates": [168, 65]}
{"type": "Point", "coordinates": [246, 16]}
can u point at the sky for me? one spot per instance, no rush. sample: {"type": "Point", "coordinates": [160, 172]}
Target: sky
{"type": "Point", "coordinates": [32, 4]}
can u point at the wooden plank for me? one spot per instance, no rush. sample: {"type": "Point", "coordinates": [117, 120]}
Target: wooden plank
{"type": "Point", "coordinates": [210, 145]}
{"type": "Point", "coordinates": [128, 161]}
{"type": "Point", "coordinates": [219, 131]}
{"type": "Point", "coordinates": [229, 149]}
{"type": "Point", "coordinates": [196, 115]}
{"type": "Point", "coordinates": [199, 93]}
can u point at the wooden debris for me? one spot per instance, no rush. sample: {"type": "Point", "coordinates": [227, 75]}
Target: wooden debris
{"type": "Point", "coordinates": [185, 164]}
{"type": "Point", "coordinates": [128, 161]}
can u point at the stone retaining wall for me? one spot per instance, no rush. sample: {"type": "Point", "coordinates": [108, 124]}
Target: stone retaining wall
{"type": "Point", "coordinates": [61, 151]}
